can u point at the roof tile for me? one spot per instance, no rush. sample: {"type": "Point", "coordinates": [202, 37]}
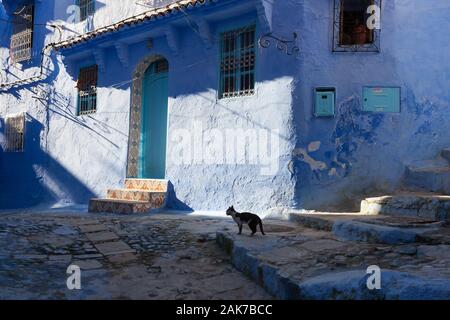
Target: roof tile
{"type": "Point", "coordinates": [131, 21]}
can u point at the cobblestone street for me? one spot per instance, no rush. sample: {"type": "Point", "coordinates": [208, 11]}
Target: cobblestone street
{"type": "Point", "coordinates": [121, 257]}
{"type": "Point", "coordinates": [169, 256]}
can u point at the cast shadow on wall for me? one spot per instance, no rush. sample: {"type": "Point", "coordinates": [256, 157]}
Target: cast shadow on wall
{"type": "Point", "coordinates": [34, 177]}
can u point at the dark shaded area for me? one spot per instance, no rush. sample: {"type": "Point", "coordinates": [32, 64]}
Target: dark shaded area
{"type": "Point", "coordinates": [173, 202]}
{"type": "Point", "coordinates": [23, 175]}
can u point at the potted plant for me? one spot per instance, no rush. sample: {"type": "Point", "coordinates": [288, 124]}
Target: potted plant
{"type": "Point", "coordinates": [359, 34]}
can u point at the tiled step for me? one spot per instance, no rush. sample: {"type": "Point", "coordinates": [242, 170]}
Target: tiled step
{"type": "Point", "coordinates": [139, 196]}
{"type": "Point", "coordinates": [425, 205]}
{"type": "Point", "coordinates": [153, 185]}
{"type": "Point", "coordinates": [446, 154]}
{"type": "Point", "coordinates": [119, 206]}
{"type": "Point", "coordinates": [433, 179]}
{"type": "Point", "coordinates": [156, 198]}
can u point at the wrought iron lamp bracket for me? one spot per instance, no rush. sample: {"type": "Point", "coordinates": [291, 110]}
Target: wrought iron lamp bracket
{"type": "Point", "coordinates": [289, 47]}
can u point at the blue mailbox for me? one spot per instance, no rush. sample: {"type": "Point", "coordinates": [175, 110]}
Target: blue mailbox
{"type": "Point", "coordinates": [381, 99]}
{"type": "Point", "coordinates": [325, 99]}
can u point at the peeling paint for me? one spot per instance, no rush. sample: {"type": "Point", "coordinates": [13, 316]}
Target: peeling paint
{"type": "Point", "coordinates": [324, 163]}
{"type": "Point", "coordinates": [302, 155]}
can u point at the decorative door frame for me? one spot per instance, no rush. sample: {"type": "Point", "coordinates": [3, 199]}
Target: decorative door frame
{"type": "Point", "coordinates": [134, 140]}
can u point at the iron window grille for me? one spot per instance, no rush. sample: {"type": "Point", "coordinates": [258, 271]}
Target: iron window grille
{"type": "Point", "coordinates": [351, 33]}
{"type": "Point", "coordinates": [87, 8]}
{"type": "Point", "coordinates": [237, 62]}
{"type": "Point", "coordinates": [14, 133]}
{"type": "Point", "coordinates": [22, 36]}
{"type": "Point", "coordinates": [87, 90]}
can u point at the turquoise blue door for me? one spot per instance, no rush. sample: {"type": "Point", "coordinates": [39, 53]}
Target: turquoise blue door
{"type": "Point", "coordinates": [154, 121]}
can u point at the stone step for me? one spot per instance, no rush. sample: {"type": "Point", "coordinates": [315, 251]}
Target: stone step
{"type": "Point", "coordinates": [156, 198]}
{"type": "Point", "coordinates": [446, 154]}
{"type": "Point", "coordinates": [370, 228]}
{"type": "Point", "coordinates": [424, 205]}
{"type": "Point", "coordinates": [322, 222]}
{"type": "Point", "coordinates": [288, 268]}
{"type": "Point", "coordinates": [153, 185]}
{"type": "Point", "coordinates": [120, 206]}
{"type": "Point", "coordinates": [432, 179]}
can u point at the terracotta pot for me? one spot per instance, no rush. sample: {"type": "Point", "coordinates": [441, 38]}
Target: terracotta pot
{"type": "Point", "coordinates": [359, 35]}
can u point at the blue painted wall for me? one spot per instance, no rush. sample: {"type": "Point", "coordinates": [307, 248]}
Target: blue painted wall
{"type": "Point", "coordinates": [366, 153]}
{"type": "Point", "coordinates": [35, 176]}
{"type": "Point", "coordinates": [323, 163]}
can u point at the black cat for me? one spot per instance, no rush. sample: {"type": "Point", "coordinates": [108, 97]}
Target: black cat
{"type": "Point", "coordinates": [245, 217]}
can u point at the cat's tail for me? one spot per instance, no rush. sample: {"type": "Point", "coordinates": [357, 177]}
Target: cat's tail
{"type": "Point", "coordinates": [261, 227]}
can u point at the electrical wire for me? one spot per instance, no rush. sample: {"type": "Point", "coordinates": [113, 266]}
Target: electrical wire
{"type": "Point", "coordinates": [52, 45]}
{"type": "Point", "coordinates": [41, 68]}
{"type": "Point", "coordinates": [190, 22]}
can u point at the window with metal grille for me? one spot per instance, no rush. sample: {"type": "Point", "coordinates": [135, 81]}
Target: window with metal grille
{"type": "Point", "coordinates": [350, 26]}
{"type": "Point", "coordinates": [87, 90]}
{"type": "Point", "coordinates": [237, 62]}
{"type": "Point", "coordinates": [14, 133]}
{"type": "Point", "coordinates": [87, 8]}
{"type": "Point", "coordinates": [22, 35]}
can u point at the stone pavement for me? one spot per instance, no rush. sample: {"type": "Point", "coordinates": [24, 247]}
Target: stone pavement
{"type": "Point", "coordinates": [326, 257]}
{"type": "Point", "coordinates": [121, 257]}
{"type": "Point", "coordinates": [167, 256]}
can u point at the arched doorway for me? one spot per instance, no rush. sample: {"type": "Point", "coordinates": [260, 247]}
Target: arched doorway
{"type": "Point", "coordinates": [152, 159]}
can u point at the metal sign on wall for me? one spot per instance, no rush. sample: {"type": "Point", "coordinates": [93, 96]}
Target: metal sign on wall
{"type": "Point", "coordinates": [381, 99]}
